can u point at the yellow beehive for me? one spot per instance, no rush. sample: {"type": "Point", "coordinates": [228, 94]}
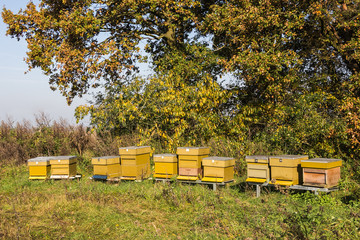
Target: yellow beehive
{"type": "Point", "coordinates": [166, 165]}
{"type": "Point", "coordinates": [39, 168]}
{"type": "Point", "coordinates": [218, 169]}
{"type": "Point", "coordinates": [134, 150]}
{"type": "Point", "coordinates": [108, 166]}
{"type": "Point", "coordinates": [285, 169]}
{"type": "Point", "coordinates": [258, 169]}
{"type": "Point", "coordinates": [63, 165]}
{"type": "Point", "coordinates": [135, 162]}
{"type": "Point", "coordinates": [321, 172]}
{"type": "Point", "coordinates": [190, 160]}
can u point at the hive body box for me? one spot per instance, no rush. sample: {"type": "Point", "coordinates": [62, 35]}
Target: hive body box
{"type": "Point", "coordinates": [218, 169]}
{"type": "Point", "coordinates": [39, 168]}
{"type": "Point", "coordinates": [166, 165]}
{"type": "Point", "coordinates": [321, 172]}
{"type": "Point", "coordinates": [258, 169]}
{"type": "Point", "coordinates": [135, 162]}
{"type": "Point", "coordinates": [63, 165]}
{"type": "Point", "coordinates": [108, 166]}
{"type": "Point", "coordinates": [285, 169]}
{"type": "Point", "coordinates": [190, 159]}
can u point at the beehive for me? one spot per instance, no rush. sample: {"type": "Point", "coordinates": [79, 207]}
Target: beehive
{"type": "Point", "coordinates": [107, 166]}
{"type": "Point", "coordinates": [135, 162]}
{"type": "Point", "coordinates": [190, 159]}
{"type": "Point", "coordinates": [166, 165]}
{"type": "Point", "coordinates": [285, 169]}
{"type": "Point", "coordinates": [321, 172]}
{"type": "Point", "coordinates": [218, 169]}
{"type": "Point", "coordinates": [63, 165]}
{"type": "Point", "coordinates": [258, 169]}
{"type": "Point", "coordinates": [39, 168]}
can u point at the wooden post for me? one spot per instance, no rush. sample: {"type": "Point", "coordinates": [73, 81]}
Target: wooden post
{"type": "Point", "coordinates": [257, 190]}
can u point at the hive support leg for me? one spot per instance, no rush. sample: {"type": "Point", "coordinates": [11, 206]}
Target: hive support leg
{"type": "Point", "coordinates": [257, 190]}
{"type": "Point", "coordinates": [214, 186]}
{"type": "Point", "coordinates": [316, 192]}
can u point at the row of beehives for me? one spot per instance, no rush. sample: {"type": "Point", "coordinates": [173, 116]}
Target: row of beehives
{"type": "Point", "coordinates": [293, 170]}
{"type": "Point", "coordinates": [189, 163]}
{"type": "Point", "coordinates": [57, 166]}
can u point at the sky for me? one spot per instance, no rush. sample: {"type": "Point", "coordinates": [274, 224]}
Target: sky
{"type": "Point", "coordinates": [24, 95]}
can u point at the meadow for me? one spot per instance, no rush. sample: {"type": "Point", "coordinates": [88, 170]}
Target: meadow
{"type": "Point", "coordinates": [87, 209]}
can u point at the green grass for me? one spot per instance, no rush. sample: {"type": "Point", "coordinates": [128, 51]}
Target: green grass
{"type": "Point", "coordinates": [131, 210]}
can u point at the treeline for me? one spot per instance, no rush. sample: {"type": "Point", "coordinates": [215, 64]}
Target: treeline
{"type": "Point", "coordinates": [245, 77]}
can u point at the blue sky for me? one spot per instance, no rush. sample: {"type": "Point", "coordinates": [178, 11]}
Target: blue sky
{"type": "Point", "coordinates": [24, 95]}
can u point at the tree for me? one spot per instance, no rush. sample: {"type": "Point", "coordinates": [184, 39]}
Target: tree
{"type": "Point", "coordinates": [282, 56]}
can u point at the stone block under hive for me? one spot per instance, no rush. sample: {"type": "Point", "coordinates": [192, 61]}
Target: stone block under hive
{"type": "Point", "coordinates": [258, 168]}
{"type": "Point", "coordinates": [166, 165]}
{"type": "Point", "coordinates": [321, 172]}
{"type": "Point", "coordinates": [218, 169]}
{"type": "Point", "coordinates": [286, 169]}
{"type": "Point", "coordinates": [135, 162]}
{"type": "Point", "coordinates": [63, 165]}
{"type": "Point", "coordinates": [39, 168]}
{"type": "Point", "coordinates": [190, 162]}
{"type": "Point", "coordinates": [107, 166]}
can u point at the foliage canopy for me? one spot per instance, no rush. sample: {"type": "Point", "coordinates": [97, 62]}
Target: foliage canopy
{"type": "Point", "coordinates": [291, 68]}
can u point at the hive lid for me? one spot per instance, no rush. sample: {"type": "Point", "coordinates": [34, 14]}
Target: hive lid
{"type": "Point", "coordinates": [193, 150]}
{"type": "Point", "coordinates": [62, 157]}
{"type": "Point", "coordinates": [134, 147]}
{"type": "Point", "coordinates": [287, 160]}
{"type": "Point", "coordinates": [218, 158]}
{"type": "Point", "coordinates": [263, 157]}
{"type": "Point", "coordinates": [134, 150]}
{"type": "Point", "coordinates": [56, 160]}
{"type": "Point", "coordinates": [214, 161]}
{"type": "Point", "coordinates": [105, 160]}
{"type": "Point", "coordinates": [257, 159]}
{"type": "Point", "coordinates": [107, 157]}
{"type": "Point", "coordinates": [165, 155]}
{"type": "Point", "coordinates": [322, 160]}
{"type": "Point", "coordinates": [289, 156]}
{"type": "Point", "coordinates": [40, 159]}
{"type": "Point", "coordinates": [321, 163]}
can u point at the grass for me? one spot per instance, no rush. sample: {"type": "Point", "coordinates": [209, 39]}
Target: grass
{"type": "Point", "coordinates": [130, 210]}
